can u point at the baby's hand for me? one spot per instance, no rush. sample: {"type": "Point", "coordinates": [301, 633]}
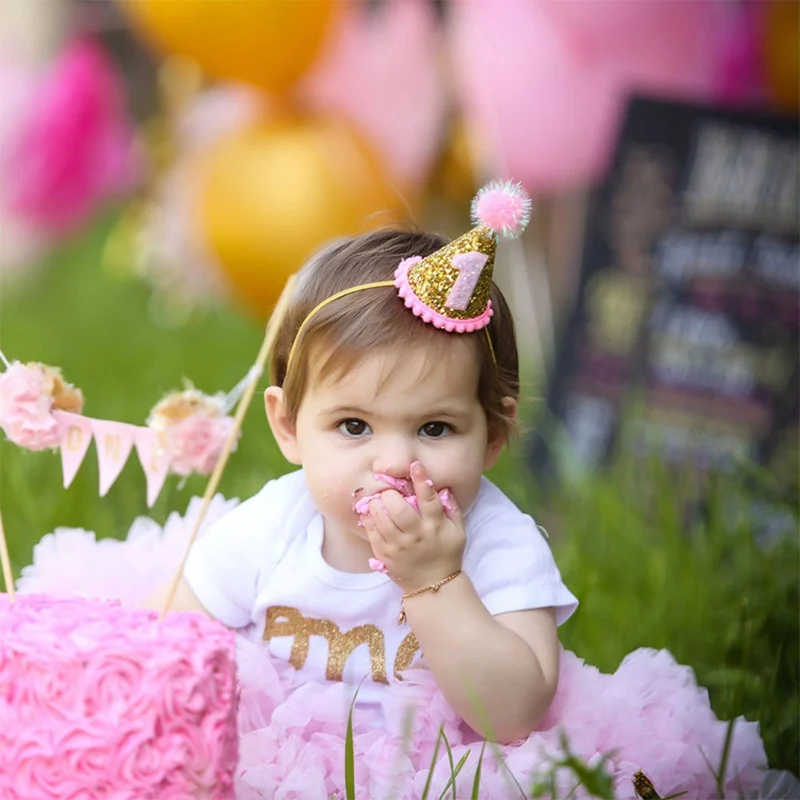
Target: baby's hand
{"type": "Point", "coordinates": [418, 547]}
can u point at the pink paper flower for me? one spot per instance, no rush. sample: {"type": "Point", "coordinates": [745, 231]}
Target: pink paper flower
{"type": "Point", "coordinates": [28, 395]}
{"type": "Point", "coordinates": [193, 428]}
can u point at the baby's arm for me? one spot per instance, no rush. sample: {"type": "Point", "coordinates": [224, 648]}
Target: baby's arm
{"type": "Point", "coordinates": [184, 600]}
{"type": "Point", "coordinates": [499, 673]}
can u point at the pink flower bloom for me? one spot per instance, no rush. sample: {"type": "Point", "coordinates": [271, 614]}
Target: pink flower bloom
{"type": "Point", "coordinates": [28, 395]}
{"type": "Point", "coordinates": [193, 429]}
{"type": "Point", "coordinates": [195, 443]}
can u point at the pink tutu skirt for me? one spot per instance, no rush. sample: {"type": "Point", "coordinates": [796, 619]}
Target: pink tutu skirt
{"type": "Point", "coordinates": [649, 715]}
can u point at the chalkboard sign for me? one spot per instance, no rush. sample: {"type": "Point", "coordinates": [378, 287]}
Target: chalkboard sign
{"type": "Point", "coordinates": [684, 337]}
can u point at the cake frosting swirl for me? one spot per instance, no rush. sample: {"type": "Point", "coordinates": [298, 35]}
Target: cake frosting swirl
{"type": "Point", "coordinates": [99, 701]}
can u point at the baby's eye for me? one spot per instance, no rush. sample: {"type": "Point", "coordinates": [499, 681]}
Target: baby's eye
{"type": "Point", "coordinates": [353, 427]}
{"type": "Point", "coordinates": [435, 430]}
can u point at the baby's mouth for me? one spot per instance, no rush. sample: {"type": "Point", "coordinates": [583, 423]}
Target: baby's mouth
{"type": "Point", "coordinates": [403, 485]}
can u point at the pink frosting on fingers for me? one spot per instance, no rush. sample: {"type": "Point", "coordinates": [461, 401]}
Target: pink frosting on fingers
{"type": "Point", "coordinates": [97, 695]}
{"type": "Point", "coordinates": [361, 506]}
{"type": "Point", "coordinates": [448, 501]}
{"type": "Point", "coordinates": [405, 487]}
{"type": "Point", "coordinates": [376, 565]}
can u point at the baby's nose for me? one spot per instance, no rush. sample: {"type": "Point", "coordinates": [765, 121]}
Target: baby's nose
{"type": "Point", "coordinates": [395, 457]}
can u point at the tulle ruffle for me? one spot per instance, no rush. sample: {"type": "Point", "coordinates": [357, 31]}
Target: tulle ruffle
{"type": "Point", "coordinates": [73, 561]}
{"type": "Point", "coordinates": [650, 714]}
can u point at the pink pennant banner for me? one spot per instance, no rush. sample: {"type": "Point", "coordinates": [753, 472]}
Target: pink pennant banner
{"type": "Point", "coordinates": [154, 461]}
{"type": "Point", "coordinates": [114, 441]}
{"type": "Point", "coordinates": [76, 436]}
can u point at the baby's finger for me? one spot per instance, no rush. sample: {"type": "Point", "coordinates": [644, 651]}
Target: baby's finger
{"type": "Point", "coordinates": [382, 520]}
{"type": "Point", "coordinates": [376, 538]}
{"type": "Point", "coordinates": [404, 514]}
{"type": "Point", "coordinates": [427, 498]}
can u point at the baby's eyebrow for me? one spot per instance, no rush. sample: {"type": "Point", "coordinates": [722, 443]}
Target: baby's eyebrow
{"type": "Point", "coordinates": [439, 412]}
{"type": "Point", "coordinates": [353, 410]}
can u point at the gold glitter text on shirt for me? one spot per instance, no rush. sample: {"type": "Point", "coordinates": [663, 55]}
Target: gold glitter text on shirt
{"type": "Point", "coordinates": [288, 621]}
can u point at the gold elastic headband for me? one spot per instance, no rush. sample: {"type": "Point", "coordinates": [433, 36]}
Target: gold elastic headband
{"type": "Point", "coordinates": [344, 293]}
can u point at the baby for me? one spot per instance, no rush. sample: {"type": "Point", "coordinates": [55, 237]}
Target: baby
{"type": "Point", "coordinates": [394, 387]}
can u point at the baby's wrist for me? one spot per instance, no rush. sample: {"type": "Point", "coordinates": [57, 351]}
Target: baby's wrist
{"type": "Point", "coordinates": [423, 580]}
{"type": "Point", "coordinates": [431, 588]}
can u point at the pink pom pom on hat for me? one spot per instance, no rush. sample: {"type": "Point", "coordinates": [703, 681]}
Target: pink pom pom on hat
{"type": "Point", "coordinates": [502, 206]}
{"type": "Point", "coordinates": [451, 288]}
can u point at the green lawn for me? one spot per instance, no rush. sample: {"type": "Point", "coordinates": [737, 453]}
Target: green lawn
{"type": "Point", "coordinates": [706, 591]}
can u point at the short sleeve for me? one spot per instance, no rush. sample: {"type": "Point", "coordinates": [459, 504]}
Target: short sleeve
{"type": "Point", "coordinates": [225, 567]}
{"type": "Point", "coordinates": [509, 561]}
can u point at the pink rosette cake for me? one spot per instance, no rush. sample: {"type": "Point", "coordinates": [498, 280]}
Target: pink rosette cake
{"type": "Point", "coordinates": [99, 701]}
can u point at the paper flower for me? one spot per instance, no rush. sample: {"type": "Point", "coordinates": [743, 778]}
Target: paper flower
{"type": "Point", "coordinates": [193, 428]}
{"type": "Point", "coordinates": [73, 147]}
{"type": "Point", "coordinates": [29, 393]}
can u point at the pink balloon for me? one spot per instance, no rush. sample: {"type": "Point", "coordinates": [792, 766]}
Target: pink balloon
{"type": "Point", "coordinates": [545, 91]}
{"type": "Point", "coordinates": [542, 112]}
{"type": "Point", "coordinates": [675, 55]}
{"type": "Point", "coordinates": [383, 72]}
{"type": "Point", "coordinates": [606, 23]}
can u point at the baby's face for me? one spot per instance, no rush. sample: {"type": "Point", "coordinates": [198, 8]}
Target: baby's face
{"type": "Point", "coordinates": [360, 434]}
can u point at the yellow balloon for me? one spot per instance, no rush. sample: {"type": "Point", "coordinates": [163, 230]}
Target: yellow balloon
{"type": "Point", "coordinates": [782, 53]}
{"type": "Point", "coordinates": [268, 43]}
{"type": "Point", "coordinates": [271, 195]}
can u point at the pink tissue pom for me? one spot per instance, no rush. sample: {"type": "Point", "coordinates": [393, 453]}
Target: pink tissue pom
{"type": "Point", "coordinates": [503, 206]}
{"type": "Point", "coordinates": [74, 147]}
{"type": "Point", "coordinates": [195, 443]}
{"type": "Point", "coordinates": [193, 428]}
{"type": "Point", "coordinates": [28, 395]}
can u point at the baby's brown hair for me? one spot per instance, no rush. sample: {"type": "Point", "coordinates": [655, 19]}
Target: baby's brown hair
{"type": "Point", "coordinates": [362, 322]}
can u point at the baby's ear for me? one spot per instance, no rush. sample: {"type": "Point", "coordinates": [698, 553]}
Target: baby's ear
{"type": "Point", "coordinates": [283, 428]}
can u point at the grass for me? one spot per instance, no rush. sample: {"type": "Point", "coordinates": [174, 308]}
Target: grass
{"type": "Point", "coordinates": [647, 573]}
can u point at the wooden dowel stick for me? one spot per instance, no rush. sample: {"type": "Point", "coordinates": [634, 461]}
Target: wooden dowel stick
{"type": "Point", "coordinates": [273, 326]}
{"type": "Point", "coordinates": [6, 561]}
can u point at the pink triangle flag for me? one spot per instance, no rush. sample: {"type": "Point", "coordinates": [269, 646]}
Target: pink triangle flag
{"type": "Point", "coordinates": [114, 441]}
{"type": "Point", "coordinates": [76, 436]}
{"type": "Point", "coordinates": [154, 461]}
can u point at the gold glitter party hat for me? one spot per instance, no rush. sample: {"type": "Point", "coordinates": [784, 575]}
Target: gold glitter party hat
{"type": "Point", "coordinates": [451, 288]}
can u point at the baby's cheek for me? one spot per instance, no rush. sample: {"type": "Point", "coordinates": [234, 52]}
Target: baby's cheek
{"type": "Point", "coordinates": [464, 488]}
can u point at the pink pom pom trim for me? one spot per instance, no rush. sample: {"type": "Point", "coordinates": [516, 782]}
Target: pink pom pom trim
{"type": "Point", "coordinates": [502, 206]}
{"type": "Point", "coordinates": [427, 314]}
